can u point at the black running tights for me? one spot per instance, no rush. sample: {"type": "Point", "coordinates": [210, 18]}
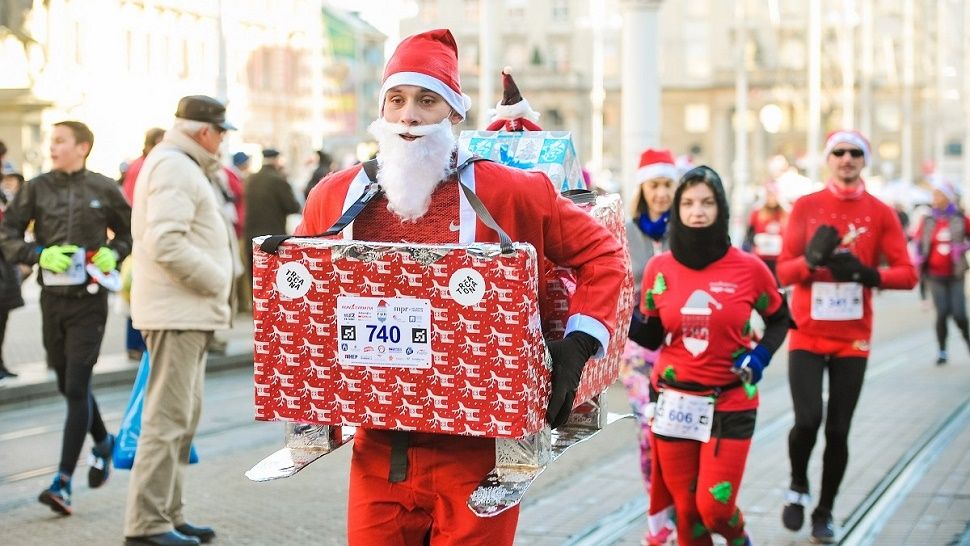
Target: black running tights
{"type": "Point", "coordinates": [73, 329]}
{"type": "Point", "coordinates": [805, 371]}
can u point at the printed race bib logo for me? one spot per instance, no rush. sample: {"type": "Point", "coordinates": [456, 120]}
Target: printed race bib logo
{"type": "Point", "coordinates": [293, 280]}
{"type": "Point", "coordinates": [467, 287]}
{"type": "Point", "coordinates": [696, 321]}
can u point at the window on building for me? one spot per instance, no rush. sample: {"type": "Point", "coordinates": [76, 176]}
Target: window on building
{"type": "Point", "coordinates": [697, 51]}
{"type": "Point", "coordinates": [536, 58]}
{"type": "Point", "coordinates": [697, 118]}
{"type": "Point", "coordinates": [560, 10]}
{"type": "Point", "coordinates": [78, 42]}
{"type": "Point", "coordinates": [183, 60]}
{"type": "Point", "coordinates": [516, 8]}
{"type": "Point", "coordinates": [559, 57]}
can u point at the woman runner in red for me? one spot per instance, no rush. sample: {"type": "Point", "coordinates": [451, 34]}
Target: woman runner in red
{"type": "Point", "coordinates": [698, 299]}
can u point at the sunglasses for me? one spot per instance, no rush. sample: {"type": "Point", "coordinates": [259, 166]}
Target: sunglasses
{"type": "Point", "coordinates": [853, 152]}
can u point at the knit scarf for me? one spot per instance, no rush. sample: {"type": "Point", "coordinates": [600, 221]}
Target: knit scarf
{"type": "Point", "coordinates": [950, 210]}
{"type": "Point", "coordinates": [846, 194]}
{"type": "Point", "coordinates": [693, 247]}
{"type": "Point", "coordinates": [655, 229]}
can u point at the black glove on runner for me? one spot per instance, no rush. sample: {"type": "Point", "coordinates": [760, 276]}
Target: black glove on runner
{"type": "Point", "coordinates": [820, 248]}
{"type": "Point", "coordinates": [846, 267]}
{"type": "Point", "coordinates": [569, 355]}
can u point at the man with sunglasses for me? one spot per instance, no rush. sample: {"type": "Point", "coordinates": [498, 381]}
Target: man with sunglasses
{"type": "Point", "coordinates": [184, 264]}
{"type": "Point", "coordinates": [831, 255]}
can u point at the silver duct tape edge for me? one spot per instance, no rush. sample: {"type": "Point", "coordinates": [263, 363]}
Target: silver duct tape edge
{"type": "Point", "coordinates": [519, 462]}
{"type": "Point", "coordinates": [305, 444]}
{"type": "Point", "coordinates": [503, 489]}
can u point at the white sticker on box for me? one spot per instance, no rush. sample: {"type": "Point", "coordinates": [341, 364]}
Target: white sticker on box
{"type": "Point", "coordinates": [293, 280]}
{"type": "Point", "coordinates": [389, 332]}
{"type": "Point", "coordinates": [467, 287]}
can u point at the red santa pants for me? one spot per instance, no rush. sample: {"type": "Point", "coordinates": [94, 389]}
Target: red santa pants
{"type": "Point", "coordinates": [703, 479]}
{"type": "Point", "coordinates": [430, 505]}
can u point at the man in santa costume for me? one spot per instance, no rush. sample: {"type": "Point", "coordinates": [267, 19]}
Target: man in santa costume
{"type": "Point", "coordinates": [412, 488]}
{"type": "Point", "coordinates": [831, 253]}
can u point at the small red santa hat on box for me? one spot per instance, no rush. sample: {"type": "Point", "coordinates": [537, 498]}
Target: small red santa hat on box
{"type": "Point", "coordinates": [657, 163]}
{"type": "Point", "coordinates": [513, 112]}
{"type": "Point", "coordinates": [853, 138]}
{"type": "Point", "coordinates": [428, 60]}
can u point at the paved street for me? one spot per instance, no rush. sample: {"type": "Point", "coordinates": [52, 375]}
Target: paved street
{"type": "Point", "coordinates": [905, 397]}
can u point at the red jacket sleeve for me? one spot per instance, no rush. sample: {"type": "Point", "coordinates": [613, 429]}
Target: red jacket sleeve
{"type": "Point", "coordinates": [791, 265]}
{"type": "Point", "coordinates": [596, 256]}
{"type": "Point", "coordinates": [900, 273]}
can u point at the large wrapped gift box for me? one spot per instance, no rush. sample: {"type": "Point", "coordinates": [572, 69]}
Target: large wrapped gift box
{"type": "Point", "coordinates": [561, 285]}
{"type": "Point", "coordinates": [551, 152]}
{"type": "Point", "coordinates": [403, 336]}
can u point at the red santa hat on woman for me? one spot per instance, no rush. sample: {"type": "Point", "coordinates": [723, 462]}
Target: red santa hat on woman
{"type": "Point", "coordinates": [513, 112]}
{"type": "Point", "coordinates": [657, 163]}
{"type": "Point", "coordinates": [428, 60]}
{"type": "Point", "coordinates": [853, 138]}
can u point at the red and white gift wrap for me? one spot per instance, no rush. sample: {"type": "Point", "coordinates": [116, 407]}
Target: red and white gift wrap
{"type": "Point", "coordinates": [486, 371]}
{"type": "Point", "coordinates": [599, 373]}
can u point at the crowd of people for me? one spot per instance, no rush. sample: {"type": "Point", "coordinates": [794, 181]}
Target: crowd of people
{"type": "Point", "coordinates": [186, 220]}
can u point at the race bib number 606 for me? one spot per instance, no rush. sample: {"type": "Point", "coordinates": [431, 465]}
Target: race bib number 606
{"type": "Point", "coordinates": [682, 415]}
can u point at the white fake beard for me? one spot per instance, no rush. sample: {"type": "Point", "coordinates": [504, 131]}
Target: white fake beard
{"type": "Point", "coordinates": [409, 171]}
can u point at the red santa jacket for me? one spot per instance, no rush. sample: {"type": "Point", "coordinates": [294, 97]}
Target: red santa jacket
{"type": "Point", "coordinates": [529, 209]}
{"type": "Point", "coordinates": [870, 230]}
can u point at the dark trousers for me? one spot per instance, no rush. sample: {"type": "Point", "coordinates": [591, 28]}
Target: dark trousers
{"type": "Point", "coordinates": [949, 301]}
{"type": "Point", "coordinates": [73, 329]}
{"type": "Point", "coordinates": [805, 371]}
{"type": "Point", "coordinates": [4, 313]}
{"type": "Point", "coordinates": [133, 338]}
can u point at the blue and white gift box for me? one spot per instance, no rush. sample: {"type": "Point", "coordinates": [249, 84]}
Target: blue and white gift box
{"type": "Point", "coordinates": [551, 152]}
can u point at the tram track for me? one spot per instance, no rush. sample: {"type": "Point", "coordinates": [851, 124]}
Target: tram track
{"type": "Point", "coordinates": [869, 515]}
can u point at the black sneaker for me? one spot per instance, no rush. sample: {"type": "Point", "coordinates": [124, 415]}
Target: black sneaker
{"type": "Point", "coordinates": [4, 372]}
{"type": "Point", "coordinates": [99, 462]}
{"type": "Point", "coordinates": [57, 496]}
{"type": "Point", "coordinates": [941, 358]}
{"type": "Point", "coordinates": [823, 530]}
{"type": "Point", "coordinates": [793, 515]}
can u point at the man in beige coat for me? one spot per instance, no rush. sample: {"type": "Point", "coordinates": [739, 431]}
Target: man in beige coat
{"type": "Point", "coordinates": [182, 274]}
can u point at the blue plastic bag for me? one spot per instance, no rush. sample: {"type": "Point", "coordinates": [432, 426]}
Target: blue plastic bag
{"type": "Point", "coordinates": [127, 440]}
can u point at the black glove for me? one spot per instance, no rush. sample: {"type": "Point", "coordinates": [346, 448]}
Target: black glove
{"type": "Point", "coordinates": [820, 248]}
{"type": "Point", "coordinates": [569, 355]}
{"type": "Point", "coordinates": [846, 267]}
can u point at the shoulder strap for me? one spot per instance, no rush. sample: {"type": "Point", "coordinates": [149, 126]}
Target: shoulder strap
{"type": "Point", "coordinates": [271, 244]}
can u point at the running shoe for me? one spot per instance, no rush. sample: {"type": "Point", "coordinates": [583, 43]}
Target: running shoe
{"type": "Point", "coordinates": [793, 515]}
{"type": "Point", "coordinates": [941, 358]}
{"type": "Point", "coordinates": [823, 529]}
{"type": "Point", "coordinates": [58, 496]}
{"type": "Point", "coordinates": [99, 462]}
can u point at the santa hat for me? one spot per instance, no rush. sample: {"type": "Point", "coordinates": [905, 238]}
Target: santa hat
{"type": "Point", "coordinates": [513, 112]}
{"type": "Point", "coordinates": [428, 60]}
{"type": "Point", "coordinates": [657, 163]}
{"type": "Point", "coordinates": [946, 187]}
{"type": "Point", "coordinates": [854, 138]}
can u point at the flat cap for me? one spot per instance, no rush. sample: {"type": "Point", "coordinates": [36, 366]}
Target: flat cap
{"type": "Point", "coordinates": [204, 108]}
{"type": "Point", "coordinates": [269, 153]}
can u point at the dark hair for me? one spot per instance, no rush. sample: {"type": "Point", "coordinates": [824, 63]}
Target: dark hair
{"type": "Point", "coordinates": [18, 176]}
{"type": "Point", "coordinates": [81, 133]}
{"type": "Point", "coordinates": [3, 149]}
{"type": "Point", "coordinates": [152, 137]}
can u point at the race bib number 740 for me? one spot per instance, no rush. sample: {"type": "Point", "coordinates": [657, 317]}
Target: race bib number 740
{"type": "Point", "coordinates": [384, 332]}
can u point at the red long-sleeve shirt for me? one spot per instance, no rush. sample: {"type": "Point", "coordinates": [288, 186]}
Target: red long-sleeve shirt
{"type": "Point", "coordinates": [870, 230]}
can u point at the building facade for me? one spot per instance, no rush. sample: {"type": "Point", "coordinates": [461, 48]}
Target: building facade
{"type": "Point", "coordinates": [121, 65]}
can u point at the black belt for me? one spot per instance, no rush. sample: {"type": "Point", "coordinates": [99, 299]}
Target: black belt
{"type": "Point", "coordinates": [399, 455]}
